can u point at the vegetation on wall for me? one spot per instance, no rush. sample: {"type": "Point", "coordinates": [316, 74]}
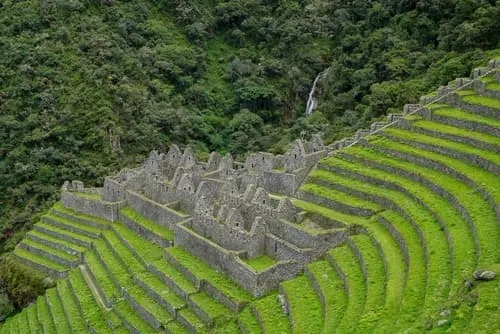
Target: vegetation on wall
{"type": "Point", "coordinates": [87, 86]}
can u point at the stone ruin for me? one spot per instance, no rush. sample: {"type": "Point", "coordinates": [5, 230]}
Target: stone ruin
{"type": "Point", "coordinates": [222, 211]}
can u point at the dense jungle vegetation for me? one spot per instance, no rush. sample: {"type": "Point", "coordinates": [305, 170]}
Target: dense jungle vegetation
{"type": "Point", "coordinates": [89, 86]}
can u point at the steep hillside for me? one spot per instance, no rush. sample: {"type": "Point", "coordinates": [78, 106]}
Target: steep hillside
{"type": "Point", "coordinates": [413, 205]}
{"type": "Point", "coordinates": [88, 86]}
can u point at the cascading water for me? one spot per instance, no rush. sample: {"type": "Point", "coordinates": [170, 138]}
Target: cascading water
{"type": "Point", "coordinates": [311, 102]}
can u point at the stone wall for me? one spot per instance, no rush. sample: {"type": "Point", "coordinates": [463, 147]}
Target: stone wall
{"type": "Point", "coordinates": [93, 207]}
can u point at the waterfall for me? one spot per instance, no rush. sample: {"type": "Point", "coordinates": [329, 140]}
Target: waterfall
{"type": "Point", "coordinates": [311, 102]}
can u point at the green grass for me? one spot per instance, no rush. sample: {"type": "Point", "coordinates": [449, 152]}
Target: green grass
{"type": "Point", "coordinates": [126, 312]}
{"type": "Point", "coordinates": [61, 208]}
{"type": "Point", "coordinates": [149, 251]}
{"type": "Point", "coordinates": [459, 231]}
{"type": "Point", "coordinates": [113, 263]}
{"type": "Point", "coordinates": [33, 322]}
{"type": "Point", "coordinates": [274, 321]}
{"type": "Point", "coordinates": [147, 223]}
{"type": "Point", "coordinates": [22, 318]}
{"type": "Point", "coordinates": [70, 223]}
{"type": "Point", "coordinates": [306, 312]}
{"type": "Point", "coordinates": [459, 147]}
{"type": "Point", "coordinates": [177, 328]}
{"type": "Point", "coordinates": [482, 100]}
{"type": "Point", "coordinates": [333, 291]}
{"type": "Point", "coordinates": [356, 295]}
{"type": "Point", "coordinates": [128, 257]}
{"type": "Point", "coordinates": [201, 270]}
{"type": "Point", "coordinates": [328, 213]}
{"type": "Point", "coordinates": [91, 310]}
{"type": "Point", "coordinates": [88, 195]}
{"type": "Point", "coordinates": [440, 265]}
{"type": "Point", "coordinates": [493, 85]}
{"type": "Point", "coordinates": [339, 196]}
{"type": "Point", "coordinates": [191, 318]}
{"type": "Point", "coordinates": [64, 232]}
{"type": "Point", "coordinates": [261, 263]}
{"type": "Point", "coordinates": [97, 268]}
{"type": "Point", "coordinates": [149, 304]}
{"type": "Point", "coordinates": [209, 305]}
{"type": "Point", "coordinates": [182, 282]}
{"type": "Point", "coordinates": [451, 130]}
{"type": "Point", "coordinates": [376, 280]}
{"type": "Point", "coordinates": [481, 212]}
{"type": "Point", "coordinates": [58, 241]}
{"type": "Point", "coordinates": [60, 321]}
{"type": "Point", "coordinates": [40, 260]}
{"type": "Point", "coordinates": [249, 322]}
{"type": "Point", "coordinates": [44, 315]}
{"type": "Point", "coordinates": [50, 250]}
{"type": "Point", "coordinates": [160, 288]}
{"type": "Point", "coordinates": [450, 112]}
{"type": "Point", "coordinates": [75, 319]}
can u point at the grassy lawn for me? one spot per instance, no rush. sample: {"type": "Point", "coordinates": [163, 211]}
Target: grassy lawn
{"type": "Point", "coordinates": [261, 263]}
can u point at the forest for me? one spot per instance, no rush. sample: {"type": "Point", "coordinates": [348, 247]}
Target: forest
{"type": "Point", "coordinates": [90, 86]}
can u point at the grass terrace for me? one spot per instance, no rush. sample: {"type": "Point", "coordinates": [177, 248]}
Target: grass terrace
{"type": "Point", "coordinates": [333, 292]}
{"type": "Point", "coordinates": [306, 313]}
{"type": "Point", "coordinates": [147, 223]}
{"type": "Point", "coordinates": [57, 311]}
{"type": "Point", "coordinates": [260, 263]}
{"type": "Point", "coordinates": [349, 265]}
{"type": "Point", "coordinates": [203, 272]}
{"type": "Point", "coordinates": [70, 306]}
{"type": "Point", "coordinates": [271, 317]}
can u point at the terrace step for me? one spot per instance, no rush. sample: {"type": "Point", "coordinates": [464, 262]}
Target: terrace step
{"type": "Point", "coordinates": [71, 226]}
{"type": "Point", "coordinates": [67, 247]}
{"type": "Point", "coordinates": [53, 254]}
{"type": "Point", "coordinates": [331, 291]}
{"type": "Point", "coordinates": [150, 311]}
{"type": "Point", "coordinates": [33, 322]}
{"type": "Point", "coordinates": [94, 287]}
{"type": "Point", "coordinates": [63, 234]}
{"type": "Point", "coordinates": [190, 320]}
{"type": "Point", "coordinates": [23, 323]}
{"type": "Point", "coordinates": [87, 304]}
{"type": "Point", "coordinates": [207, 308]}
{"type": "Point", "coordinates": [97, 272]}
{"type": "Point", "coordinates": [160, 292]}
{"type": "Point", "coordinates": [40, 263]}
{"type": "Point", "coordinates": [44, 315]}
{"type": "Point", "coordinates": [70, 307]}
{"type": "Point", "coordinates": [123, 253]}
{"type": "Point", "coordinates": [202, 276]}
{"type": "Point", "coordinates": [337, 200]}
{"type": "Point", "coordinates": [481, 105]}
{"type": "Point", "coordinates": [271, 317]}
{"type": "Point", "coordinates": [349, 269]}
{"type": "Point", "coordinates": [465, 120]}
{"type": "Point", "coordinates": [145, 251]}
{"type": "Point", "coordinates": [370, 254]}
{"type": "Point", "coordinates": [448, 204]}
{"type": "Point", "coordinates": [131, 319]}
{"type": "Point", "coordinates": [248, 323]}
{"type": "Point", "coordinates": [147, 228]}
{"type": "Point", "coordinates": [448, 132]}
{"type": "Point", "coordinates": [172, 278]}
{"type": "Point", "coordinates": [59, 210]}
{"type": "Point", "coordinates": [408, 195]}
{"type": "Point", "coordinates": [306, 313]}
{"type": "Point", "coordinates": [481, 158]}
{"type": "Point", "coordinates": [56, 309]}
{"type": "Point", "coordinates": [476, 210]}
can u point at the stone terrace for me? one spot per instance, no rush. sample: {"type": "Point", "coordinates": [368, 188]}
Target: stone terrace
{"type": "Point", "coordinates": [381, 232]}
